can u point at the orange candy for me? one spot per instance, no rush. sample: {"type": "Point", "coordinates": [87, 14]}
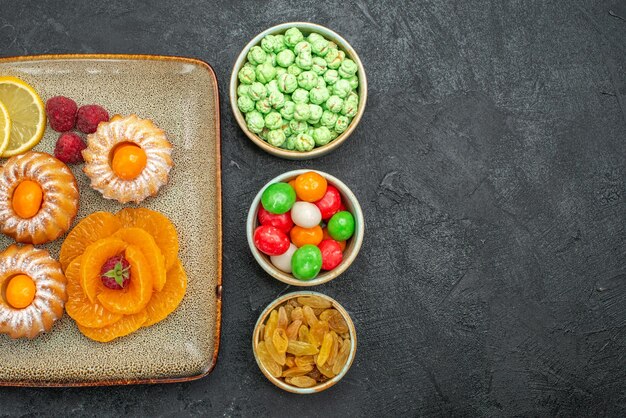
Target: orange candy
{"type": "Point", "coordinates": [342, 244]}
{"type": "Point", "coordinates": [128, 161]}
{"type": "Point", "coordinates": [20, 291]}
{"type": "Point", "coordinates": [302, 236]}
{"type": "Point", "coordinates": [310, 186]}
{"type": "Point", "coordinates": [27, 198]}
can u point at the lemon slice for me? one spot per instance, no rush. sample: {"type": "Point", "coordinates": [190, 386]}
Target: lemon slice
{"type": "Point", "coordinates": [5, 127]}
{"type": "Point", "coordinates": [27, 115]}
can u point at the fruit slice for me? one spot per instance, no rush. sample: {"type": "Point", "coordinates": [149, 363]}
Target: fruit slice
{"type": "Point", "coordinates": [123, 327]}
{"type": "Point", "coordinates": [96, 226]}
{"type": "Point", "coordinates": [157, 225]}
{"type": "Point", "coordinates": [27, 114]}
{"type": "Point", "coordinates": [5, 127]}
{"type": "Point", "coordinates": [144, 241]}
{"type": "Point", "coordinates": [78, 306]}
{"type": "Point", "coordinates": [167, 300]}
{"type": "Point", "coordinates": [136, 295]}
{"type": "Point", "coordinates": [93, 258]}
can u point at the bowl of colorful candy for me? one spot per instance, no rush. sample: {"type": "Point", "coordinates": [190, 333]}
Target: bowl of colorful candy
{"type": "Point", "coordinates": [298, 90]}
{"type": "Point", "coordinates": [304, 342]}
{"type": "Point", "coordinates": [305, 227]}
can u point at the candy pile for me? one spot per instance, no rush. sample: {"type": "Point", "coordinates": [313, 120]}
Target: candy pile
{"type": "Point", "coordinates": [298, 92]}
{"type": "Point", "coordinates": [305, 342]}
{"type": "Point", "coordinates": [303, 226]}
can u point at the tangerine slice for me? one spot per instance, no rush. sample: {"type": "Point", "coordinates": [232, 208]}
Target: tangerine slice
{"type": "Point", "coordinates": [144, 241]}
{"type": "Point", "coordinates": [78, 306]}
{"type": "Point", "coordinates": [93, 258]}
{"type": "Point", "coordinates": [157, 225]}
{"type": "Point", "coordinates": [128, 324]}
{"type": "Point", "coordinates": [167, 300]}
{"type": "Point", "coordinates": [96, 226]}
{"type": "Point", "coordinates": [136, 295]}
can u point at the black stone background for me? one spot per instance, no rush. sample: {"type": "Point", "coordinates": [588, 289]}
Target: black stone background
{"type": "Point", "coordinates": [490, 165]}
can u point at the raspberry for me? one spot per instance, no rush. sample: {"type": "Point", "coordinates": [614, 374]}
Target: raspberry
{"type": "Point", "coordinates": [61, 113]}
{"type": "Point", "coordinates": [115, 272]}
{"type": "Point", "coordinates": [69, 147]}
{"type": "Point", "coordinates": [89, 117]}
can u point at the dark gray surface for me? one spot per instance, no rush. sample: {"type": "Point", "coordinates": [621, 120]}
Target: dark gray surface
{"type": "Point", "coordinates": [490, 165]}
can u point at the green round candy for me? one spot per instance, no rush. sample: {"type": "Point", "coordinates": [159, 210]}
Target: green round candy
{"type": "Point", "coordinates": [341, 88]}
{"type": "Point", "coordinates": [307, 80]}
{"type": "Point", "coordinates": [319, 66]}
{"type": "Point", "coordinates": [293, 36]}
{"type": "Point", "coordinates": [353, 96]}
{"type": "Point", "coordinates": [316, 114]}
{"type": "Point", "coordinates": [333, 134]}
{"type": "Point", "coordinates": [331, 76]}
{"type": "Point", "coordinates": [287, 83]}
{"type": "Point", "coordinates": [298, 126]}
{"type": "Point", "coordinates": [242, 89]}
{"type": "Point", "coordinates": [277, 99]}
{"type": "Point", "coordinates": [263, 106]}
{"type": "Point", "coordinates": [341, 226]}
{"type": "Point", "coordinates": [328, 119]}
{"type": "Point", "coordinates": [287, 110]}
{"type": "Point", "coordinates": [276, 137]}
{"type": "Point", "coordinates": [348, 68]}
{"type": "Point", "coordinates": [285, 58]}
{"type": "Point", "coordinates": [301, 112]}
{"type": "Point", "coordinates": [302, 46]}
{"type": "Point", "coordinates": [334, 103]}
{"type": "Point", "coordinates": [334, 59]}
{"type": "Point", "coordinates": [350, 108]}
{"type": "Point", "coordinates": [255, 121]}
{"type": "Point", "coordinates": [265, 72]}
{"type": "Point", "coordinates": [271, 87]}
{"type": "Point", "coordinates": [342, 124]}
{"type": "Point", "coordinates": [321, 136]}
{"type": "Point", "coordinates": [279, 43]}
{"type": "Point", "coordinates": [354, 82]}
{"type": "Point", "coordinates": [263, 134]}
{"type": "Point", "coordinates": [256, 55]}
{"type": "Point", "coordinates": [280, 70]}
{"type": "Point", "coordinates": [300, 96]}
{"type": "Point", "coordinates": [246, 75]}
{"type": "Point", "coordinates": [286, 129]}
{"type": "Point", "coordinates": [319, 95]}
{"type": "Point", "coordinates": [306, 262]}
{"type": "Point", "coordinates": [294, 69]}
{"type": "Point", "coordinates": [273, 120]}
{"type": "Point", "coordinates": [320, 47]}
{"type": "Point", "coordinates": [304, 142]}
{"type": "Point", "coordinates": [245, 104]}
{"type": "Point", "coordinates": [278, 198]}
{"type": "Point", "coordinates": [257, 91]}
{"type": "Point", "coordinates": [290, 143]}
{"type": "Point", "coordinates": [268, 43]}
{"type": "Point", "coordinates": [304, 60]}
{"type": "Point", "coordinates": [313, 36]}
{"type": "Point", "coordinates": [321, 82]}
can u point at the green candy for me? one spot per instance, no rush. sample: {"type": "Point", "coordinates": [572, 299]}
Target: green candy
{"type": "Point", "coordinates": [246, 75]}
{"type": "Point", "coordinates": [354, 82]}
{"type": "Point", "coordinates": [334, 58]}
{"type": "Point", "coordinates": [304, 142]}
{"type": "Point", "coordinates": [301, 112]}
{"type": "Point", "coordinates": [245, 104]}
{"type": "Point", "coordinates": [342, 124]}
{"type": "Point", "coordinates": [273, 120]}
{"type": "Point", "coordinates": [315, 114]}
{"type": "Point", "coordinates": [276, 137]}
{"type": "Point", "coordinates": [306, 262]}
{"type": "Point", "coordinates": [287, 83]}
{"type": "Point", "coordinates": [256, 55]}
{"type": "Point", "coordinates": [257, 91]}
{"type": "Point", "coordinates": [319, 66]}
{"type": "Point", "coordinates": [285, 58]}
{"type": "Point", "coordinates": [350, 107]}
{"type": "Point", "coordinates": [328, 119]}
{"type": "Point", "coordinates": [348, 68]}
{"type": "Point", "coordinates": [287, 110]}
{"type": "Point", "coordinates": [298, 126]}
{"type": "Point", "coordinates": [294, 69]}
{"type": "Point", "coordinates": [268, 43]}
{"type": "Point", "coordinates": [333, 135]}
{"type": "Point", "coordinates": [341, 226]}
{"type": "Point", "coordinates": [302, 46]}
{"type": "Point", "coordinates": [341, 88]}
{"type": "Point", "coordinates": [265, 73]}
{"type": "Point", "coordinates": [319, 95]}
{"type": "Point", "coordinates": [293, 36]}
{"type": "Point", "coordinates": [304, 60]}
{"type": "Point", "coordinates": [314, 36]}
{"type": "Point", "coordinates": [280, 70]}
{"type": "Point", "coordinates": [300, 96]}
{"type": "Point", "coordinates": [255, 121]}
{"type": "Point", "coordinates": [290, 143]}
{"type": "Point", "coordinates": [263, 106]}
{"type": "Point", "coordinates": [242, 89]}
{"type": "Point", "coordinates": [334, 103]}
{"type": "Point", "coordinates": [320, 47]}
{"type": "Point", "coordinates": [278, 198]}
{"type": "Point", "coordinates": [279, 43]}
{"type": "Point", "coordinates": [321, 82]}
{"type": "Point", "coordinates": [264, 133]}
{"type": "Point", "coordinates": [277, 99]}
{"type": "Point", "coordinates": [307, 80]}
{"type": "Point", "coordinates": [331, 76]}
{"type": "Point", "coordinates": [287, 130]}
{"type": "Point", "coordinates": [272, 86]}
{"type": "Point", "coordinates": [321, 136]}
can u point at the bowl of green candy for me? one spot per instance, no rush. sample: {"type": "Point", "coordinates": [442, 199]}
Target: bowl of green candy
{"type": "Point", "coordinates": [298, 90]}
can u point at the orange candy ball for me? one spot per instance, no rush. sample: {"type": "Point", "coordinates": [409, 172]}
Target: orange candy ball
{"type": "Point", "coordinates": [27, 198]}
{"type": "Point", "coordinates": [302, 236]}
{"type": "Point", "coordinates": [20, 291]}
{"type": "Point", "coordinates": [310, 186]}
{"type": "Point", "coordinates": [128, 161]}
{"type": "Point", "coordinates": [342, 244]}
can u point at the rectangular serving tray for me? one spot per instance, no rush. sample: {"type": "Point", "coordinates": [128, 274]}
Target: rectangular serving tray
{"type": "Point", "coordinates": [181, 96]}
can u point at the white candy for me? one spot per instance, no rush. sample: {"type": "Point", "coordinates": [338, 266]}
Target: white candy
{"type": "Point", "coordinates": [306, 214]}
{"type": "Point", "coordinates": [283, 261]}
